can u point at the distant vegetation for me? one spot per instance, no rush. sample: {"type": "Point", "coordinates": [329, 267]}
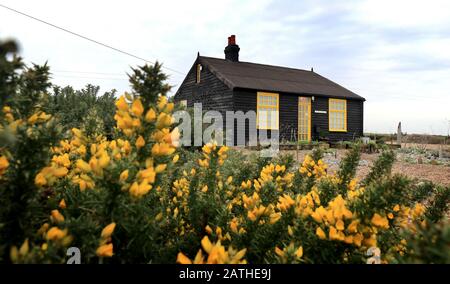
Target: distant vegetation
{"type": "Point", "coordinates": [410, 138]}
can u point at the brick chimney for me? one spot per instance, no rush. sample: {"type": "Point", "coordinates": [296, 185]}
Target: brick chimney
{"type": "Point", "coordinates": [232, 49]}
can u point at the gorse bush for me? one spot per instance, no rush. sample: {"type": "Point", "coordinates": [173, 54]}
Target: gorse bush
{"type": "Point", "coordinates": [84, 109]}
{"type": "Point", "coordinates": [134, 196]}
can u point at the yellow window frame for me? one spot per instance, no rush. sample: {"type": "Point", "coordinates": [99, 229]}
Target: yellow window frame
{"type": "Point", "coordinates": [199, 70]}
{"type": "Point", "coordinates": [260, 105]}
{"type": "Point", "coordinates": [304, 103]}
{"type": "Point", "coordinates": [335, 110]}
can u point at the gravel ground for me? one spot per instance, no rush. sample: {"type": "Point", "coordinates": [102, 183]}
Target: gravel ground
{"type": "Point", "coordinates": [439, 174]}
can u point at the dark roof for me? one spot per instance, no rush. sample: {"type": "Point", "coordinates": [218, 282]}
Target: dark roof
{"type": "Point", "coordinates": [274, 78]}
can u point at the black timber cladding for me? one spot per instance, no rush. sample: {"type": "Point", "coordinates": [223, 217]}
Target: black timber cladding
{"type": "Point", "coordinates": [245, 100]}
{"type": "Point", "coordinates": [210, 91]}
{"type": "Point", "coordinates": [219, 89]}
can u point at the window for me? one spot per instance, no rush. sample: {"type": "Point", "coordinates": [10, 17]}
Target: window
{"type": "Point", "coordinates": [304, 119]}
{"type": "Point", "coordinates": [199, 70]}
{"type": "Point", "coordinates": [337, 117]}
{"type": "Point", "coordinates": [267, 111]}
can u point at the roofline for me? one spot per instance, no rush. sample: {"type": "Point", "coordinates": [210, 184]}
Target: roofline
{"type": "Point", "coordinates": [230, 85]}
{"type": "Point", "coordinates": [268, 65]}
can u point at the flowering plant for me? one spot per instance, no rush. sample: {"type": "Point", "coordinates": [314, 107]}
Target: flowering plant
{"type": "Point", "coordinates": [136, 197]}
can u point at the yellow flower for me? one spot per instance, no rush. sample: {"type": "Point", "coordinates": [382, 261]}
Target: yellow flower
{"type": "Point", "coordinates": [160, 168]}
{"type": "Point", "coordinates": [320, 233]}
{"type": "Point", "coordinates": [391, 216]}
{"type": "Point", "coordinates": [93, 163]}
{"type": "Point", "coordinates": [290, 231]}
{"type": "Point", "coordinates": [162, 101]}
{"type": "Point", "coordinates": [299, 252]}
{"type": "Point", "coordinates": [123, 176]}
{"type": "Point", "coordinates": [169, 107]}
{"type": "Point", "coordinates": [162, 149]}
{"type": "Point", "coordinates": [140, 142]}
{"type": "Point", "coordinates": [353, 227]}
{"type": "Point", "coordinates": [419, 209]}
{"type": "Point", "coordinates": [62, 204]}
{"type": "Point", "coordinates": [234, 226]}
{"type": "Point", "coordinates": [104, 160]}
{"type": "Point", "coordinates": [60, 172]}
{"type": "Point", "coordinates": [333, 233]}
{"type": "Point", "coordinates": [348, 239]}
{"type": "Point", "coordinates": [164, 120]}
{"type": "Point", "coordinates": [4, 164]}
{"type": "Point", "coordinates": [182, 259]}
{"type": "Point", "coordinates": [175, 158]}
{"type": "Point", "coordinates": [318, 214]}
{"type": "Point", "coordinates": [138, 190]}
{"type": "Point", "coordinates": [274, 217]}
{"type": "Point", "coordinates": [82, 185]}
{"type": "Point", "coordinates": [57, 217]}
{"type": "Point", "coordinates": [340, 225]}
{"type": "Point", "coordinates": [40, 180]}
{"type": "Point", "coordinates": [370, 242]}
{"type": "Point", "coordinates": [173, 138]}
{"type": "Point", "coordinates": [151, 115]}
{"type": "Point", "coordinates": [137, 108]}
{"type": "Point", "coordinates": [32, 119]}
{"type": "Point", "coordinates": [83, 166]}
{"type": "Point", "coordinates": [279, 252]}
{"type": "Point", "coordinates": [357, 239]}
{"type": "Point", "coordinates": [105, 250]}
{"type": "Point", "coordinates": [77, 132]}
{"type": "Point", "coordinates": [108, 230]}
{"type": "Point", "coordinates": [55, 234]}
{"type": "Point", "coordinates": [121, 104]}
{"type": "Point", "coordinates": [380, 221]}
{"type": "Point", "coordinates": [397, 208]}
{"type": "Point", "coordinates": [206, 244]}
{"type": "Point", "coordinates": [45, 116]}
{"type": "Point", "coordinates": [159, 216]}
{"type": "Point", "coordinates": [14, 254]}
{"type": "Point", "coordinates": [24, 248]}
{"type": "Point", "coordinates": [205, 188]}
{"type": "Point", "coordinates": [203, 163]}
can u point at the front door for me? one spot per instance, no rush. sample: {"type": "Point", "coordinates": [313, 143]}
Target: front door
{"type": "Point", "coordinates": [304, 119]}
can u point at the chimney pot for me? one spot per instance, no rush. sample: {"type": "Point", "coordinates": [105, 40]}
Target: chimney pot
{"type": "Point", "coordinates": [233, 39]}
{"type": "Point", "coordinates": [232, 49]}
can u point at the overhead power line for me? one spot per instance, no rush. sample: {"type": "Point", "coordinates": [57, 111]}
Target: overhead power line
{"type": "Point", "coordinates": [87, 38]}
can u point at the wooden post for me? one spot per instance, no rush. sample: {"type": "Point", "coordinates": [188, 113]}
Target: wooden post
{"type": "Point", "coordinates": [399, 133]}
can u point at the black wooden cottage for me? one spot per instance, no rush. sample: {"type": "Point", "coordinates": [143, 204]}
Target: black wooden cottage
{"type": "Point", "coordinates": [309, 106]}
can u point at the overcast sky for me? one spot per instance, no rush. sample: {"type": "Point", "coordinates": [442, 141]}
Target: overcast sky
{"type": "Point", "coordinates": [394, 53]}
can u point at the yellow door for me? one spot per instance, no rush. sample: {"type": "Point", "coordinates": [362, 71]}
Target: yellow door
{"type": "Point", "coordinates": [304, 119]}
